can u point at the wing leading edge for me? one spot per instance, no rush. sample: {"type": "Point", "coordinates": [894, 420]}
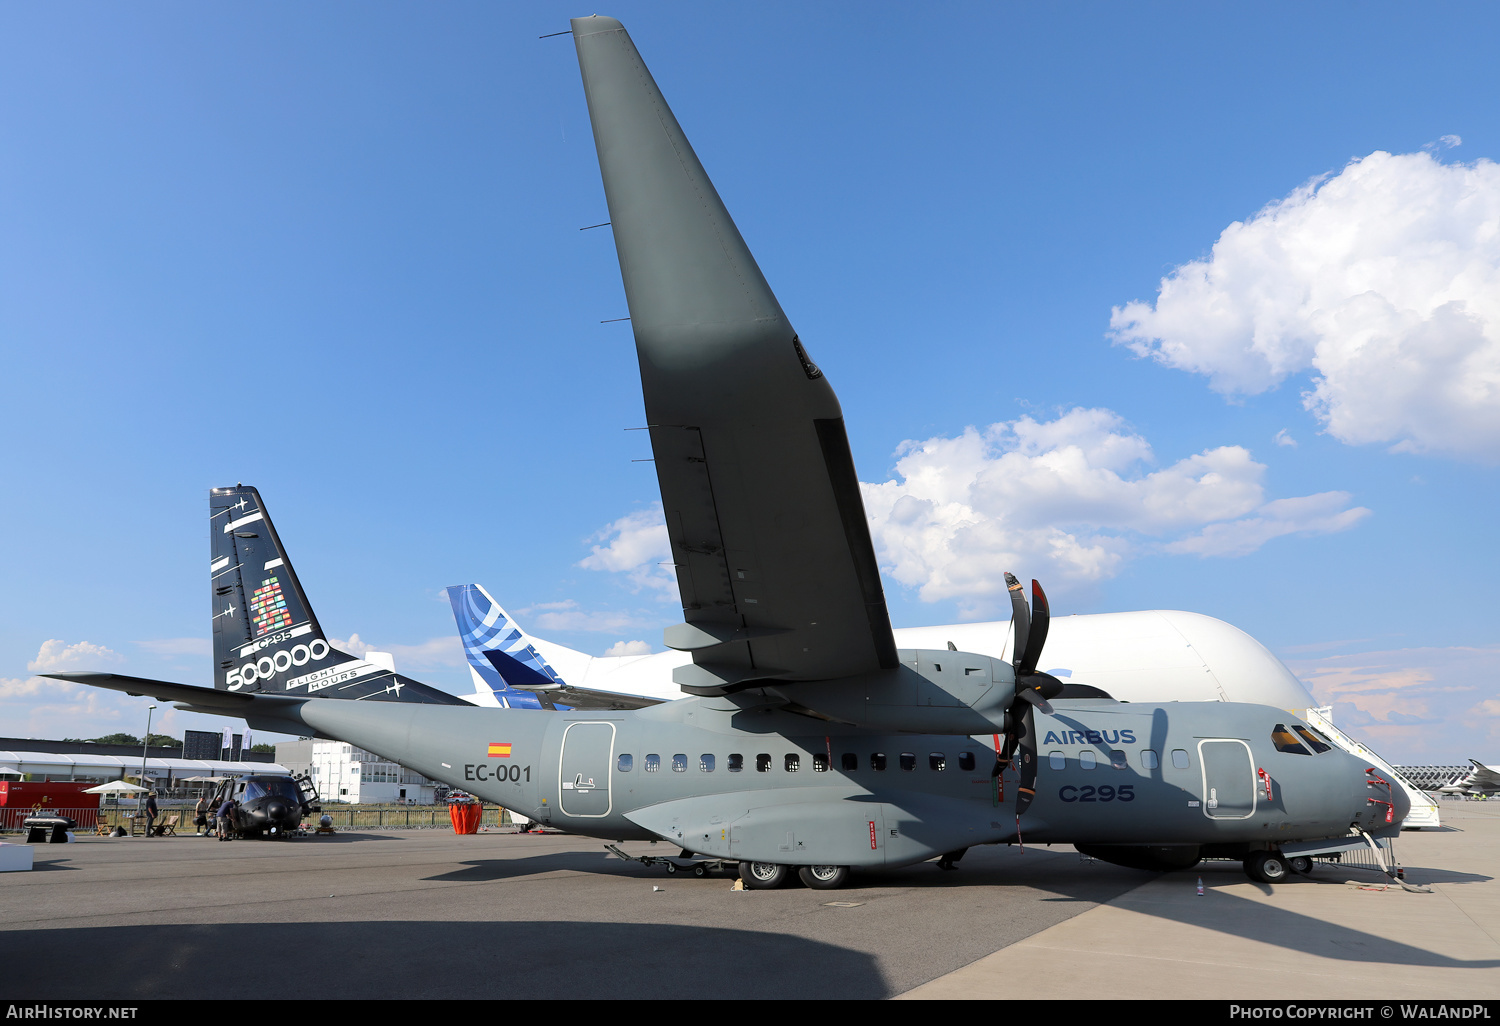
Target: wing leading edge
{"type": "Point", "coordinates": [775, 565]}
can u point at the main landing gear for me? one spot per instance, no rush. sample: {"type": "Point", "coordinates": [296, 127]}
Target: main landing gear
{"type": "Point", "coordinates": [1268, 867]}
{"type": "Point", "coordinates": [763, 876]}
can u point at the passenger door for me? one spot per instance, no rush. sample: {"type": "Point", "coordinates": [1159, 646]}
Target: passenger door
{"type": "Point", "coordinates": [1228, 778]}
{"type": "Point", "coordinates": [587, 751]}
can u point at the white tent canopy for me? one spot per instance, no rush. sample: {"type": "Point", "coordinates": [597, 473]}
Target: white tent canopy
{"type": "Point", "coordinates": [114, 787]}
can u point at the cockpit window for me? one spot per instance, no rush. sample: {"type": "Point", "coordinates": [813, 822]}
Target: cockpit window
{"type": "Point", "coordinates": [1286, 741]}
{"type": "Point", "coordinates": [260, 787]}
{"type": "Point", "coordinates": [1311, 737]}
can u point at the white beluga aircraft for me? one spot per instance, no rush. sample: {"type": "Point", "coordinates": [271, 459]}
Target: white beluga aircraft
{"type": "Point", "coordinates": [810, 744]}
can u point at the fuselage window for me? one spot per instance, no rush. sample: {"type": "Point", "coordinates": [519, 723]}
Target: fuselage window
{"type": "Point", "coordinates": [820, 762]}
{"type": "Point", "coordinates": [966, 761]}
{"type": "Point", "coordinates": [1180, 759]}
{"type": "Point", "coordinates": [793, 762]}
{"type": "Point", "coordinates": [937, 761]}
{"type": "Point", "coordinates": [1311, 737]}
{"type": "Point", "coordinates": [877, 760]}
{"type": "Point", "coordinates": [1087, 759]}
{"type": "Point", "coordinates": [1149, 759]}
{"type": "Point", "coordinates": [1057, 760]}
{"type": "Point", "coordinates": [762, 763]}
{"type": "Point", "coordinates": [679, 764]}
{"type": "Point", "coordinates": [624, 764]}
{"type": "Point", "coordinates": [736, 763]}
{"type": "Point", "coordinates": [1286, 741]}
{"type": "Point", "coordinates": [706, 763]}
{"type": "Point", "coordinates": [850, 762]}
{"type": "Point", "coordinates": [653, 763]}
{"type": "Point", "coordinates": [1117, 759]}
{"type": "Point", "coordinates": [908, 761]}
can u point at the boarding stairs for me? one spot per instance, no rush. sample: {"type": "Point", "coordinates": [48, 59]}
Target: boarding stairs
{"type": "Point", "coordinates": [1424, 810]}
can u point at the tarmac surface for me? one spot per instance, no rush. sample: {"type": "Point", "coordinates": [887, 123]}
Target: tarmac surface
{"type": "Point", "coordinates": [427, 914]}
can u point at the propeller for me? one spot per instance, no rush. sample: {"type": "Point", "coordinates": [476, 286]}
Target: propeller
{"type": "Point", "coordinates": [1033, 689]}
{"type": "Point", "coordinates": [1031, 634]}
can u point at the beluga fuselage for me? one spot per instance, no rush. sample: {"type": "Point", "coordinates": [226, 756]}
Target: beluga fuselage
{"type": "Point", "coordinates": [807, 742]}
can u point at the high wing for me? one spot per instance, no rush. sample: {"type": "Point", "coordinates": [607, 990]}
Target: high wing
{"type": "Point", "coordinates": [772, 548]}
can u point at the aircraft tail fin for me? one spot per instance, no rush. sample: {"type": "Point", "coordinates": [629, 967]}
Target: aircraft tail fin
{"type": "Point", "coordinates": [266, 637]}
{"type": "Point", "coordinates": [501, 655]}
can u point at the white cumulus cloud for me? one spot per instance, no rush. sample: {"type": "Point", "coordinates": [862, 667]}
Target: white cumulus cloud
{"type": "Point", "coordinates": [637, 546]}
{"type": "Point", "coordinates": [629, 648]}
{"type": "Point", "coordinates": [56, 654]}
{"type": "Point", "coordinates": [1070, 500]}
{"type": "Point", "coordinates": [1382, 280]}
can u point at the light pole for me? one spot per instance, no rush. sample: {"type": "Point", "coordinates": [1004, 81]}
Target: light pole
{"type": "Point", "coordinates": [145, 743]}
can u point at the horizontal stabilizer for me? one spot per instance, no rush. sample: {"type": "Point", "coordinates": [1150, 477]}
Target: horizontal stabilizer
{"type": "Point", "coordinates": [263, 712]}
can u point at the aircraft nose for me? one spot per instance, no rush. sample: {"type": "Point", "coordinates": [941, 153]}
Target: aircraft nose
{"type": "Point", "coordinates": [1387, 799]}
{"type": "Point", "coordinates": [276, 811]}
{"type": "Point", "coordinates": [1399, 799]}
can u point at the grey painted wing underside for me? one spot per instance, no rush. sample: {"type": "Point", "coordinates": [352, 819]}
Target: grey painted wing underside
{"type": "Point", "coordinates": [772, 548]}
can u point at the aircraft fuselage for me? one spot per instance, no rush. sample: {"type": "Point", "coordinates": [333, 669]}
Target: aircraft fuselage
{"type": "Point", "coordinates": [727, 778]}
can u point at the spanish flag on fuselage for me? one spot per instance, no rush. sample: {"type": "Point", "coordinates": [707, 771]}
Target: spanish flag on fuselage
{"type": "Point", "coordinates": [499, 749]}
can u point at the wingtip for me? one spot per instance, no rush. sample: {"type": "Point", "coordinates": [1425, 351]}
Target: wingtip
{"type": "Point", "coordinates": [595, 23]}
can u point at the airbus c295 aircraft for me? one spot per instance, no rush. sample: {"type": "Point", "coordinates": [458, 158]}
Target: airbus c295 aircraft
{"type": "Point", "coordinates": [809, 743]}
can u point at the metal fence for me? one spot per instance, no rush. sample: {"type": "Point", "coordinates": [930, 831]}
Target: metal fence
{"type": "Point", "coordinates": [389, 817]}
{"type": "Point", "coordinates": [11, 819]}
{"type": "Point", "coordinates": [1363, 858]}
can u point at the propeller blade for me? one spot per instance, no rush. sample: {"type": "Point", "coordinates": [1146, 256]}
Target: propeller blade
{"type": "Point", "coordinates": [1034, 696]}
{"type": "Point", "coordinates": [1041, 618]}
{"type": "Point", "coordinates": [1020, 618]}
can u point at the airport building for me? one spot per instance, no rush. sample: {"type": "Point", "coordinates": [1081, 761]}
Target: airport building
{"type": "Point", "coordinates": [43, 760]}
{"type": "Point", "coordinates": [1430, 778]}
{"type": "Point", "coordinates": [347, 773]}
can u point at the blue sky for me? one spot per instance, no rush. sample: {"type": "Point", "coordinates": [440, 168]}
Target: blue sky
{"type": "Point", "coordinates": [333, 251]}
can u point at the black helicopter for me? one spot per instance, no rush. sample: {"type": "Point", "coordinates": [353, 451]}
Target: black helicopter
{"type": "Point", "coordinates": [268, 805]}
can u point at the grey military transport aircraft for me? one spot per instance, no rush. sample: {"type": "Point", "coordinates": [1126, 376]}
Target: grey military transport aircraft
{"type": "Point", "coordinates": [808, 743]}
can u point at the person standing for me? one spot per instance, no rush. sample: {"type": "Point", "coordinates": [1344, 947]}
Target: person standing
{"type": "Point", "coordinates": [149, 809]}
{"type": "Point", "coordinates": [200, 815]}
{"type": "Point", "coordinates": [226, 819]}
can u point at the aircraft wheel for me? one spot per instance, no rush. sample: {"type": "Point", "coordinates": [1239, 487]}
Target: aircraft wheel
{"type": "Point", "coordinates": [1301, 864]}
{"type": "Point", "coordinates": [1266, 867]}
{"type": "Point", "coordinates": [671, 867]}
{"type": "Point", "coordinates": [824, 878]}
{"type": "Point", "coordinates": [700, 870]}
{"type": "Point", "coordinates": [763, 876]}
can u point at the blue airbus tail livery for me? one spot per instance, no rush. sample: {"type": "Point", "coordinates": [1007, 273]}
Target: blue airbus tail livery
{"type": "Point", "coordinates": [502, 660]}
